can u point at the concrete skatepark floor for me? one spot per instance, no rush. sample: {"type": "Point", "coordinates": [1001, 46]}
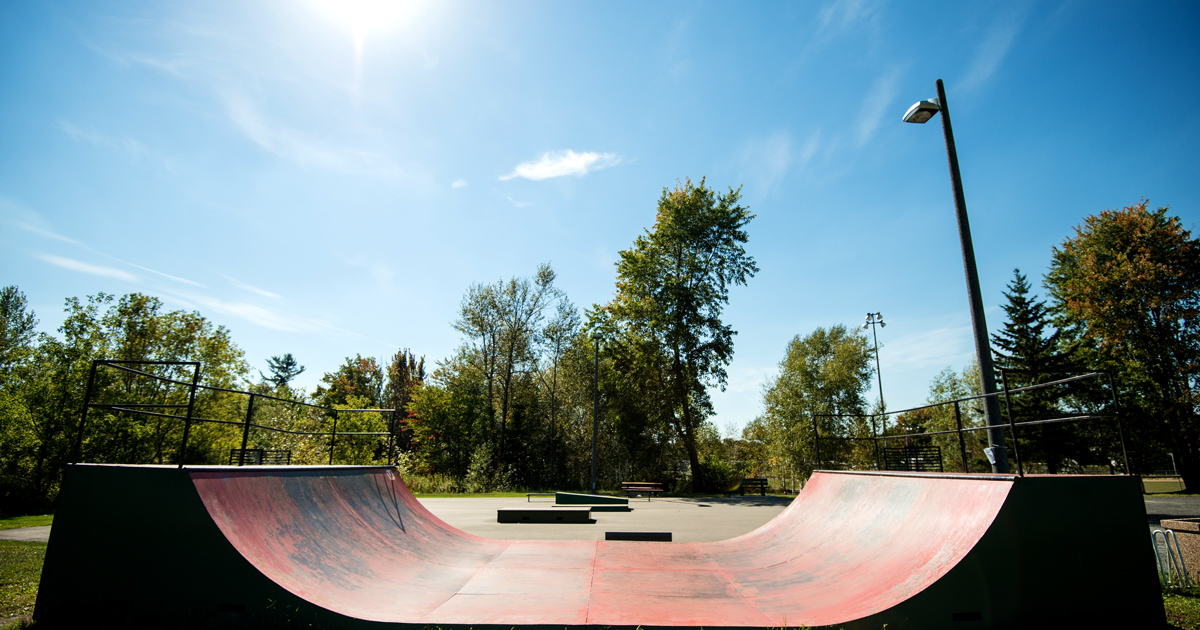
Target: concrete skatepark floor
{"type": "Point", "coordinates": [688, 519]}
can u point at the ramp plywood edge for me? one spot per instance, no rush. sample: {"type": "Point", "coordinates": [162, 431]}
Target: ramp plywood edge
{"type": "Point", "coordinates": [350, 547]}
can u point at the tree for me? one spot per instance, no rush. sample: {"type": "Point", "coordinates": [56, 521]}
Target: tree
{"type": "Point", "coordinates": [949, 386]}
{"type": "Point", "coordinates": [555, 339]}
{"type": "Point", "coordinates": [1030, 349]}
{"type": "Point", "coordinates": [283, 369]}
{"type": "Point", "coordinates": [822, 380]}
{"type": "Point", "coordinates": [1127, 285]}
{"type": "Point", "coordinates": [503, 321]}
{"type": "Point", "coordinates": [358, 377]}
{"type": "Point", "coordinates": [16, 330]}
{"type": "Point", "coordinates": [447, 415]}
{"type": "Point", "coordinates": [672, 284]}
{"type": "Point", "coordinates": [48, 391]}
{"type": "Point", "coordinates": [405, 373]}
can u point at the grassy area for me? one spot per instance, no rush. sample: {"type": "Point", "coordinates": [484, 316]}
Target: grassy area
{"type": "Point", "coordinates": [1155, 486]}
{"type": "Point", "coordinates": [466, 495]}
{"type": "Point", "coordinates": [20, 572]}
{"type": "Point", "coordinates": [1183, 608]}
{"type": "Point", "coordinates": [13, 522]}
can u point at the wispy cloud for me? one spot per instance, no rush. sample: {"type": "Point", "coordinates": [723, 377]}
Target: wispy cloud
{"type": "Point", "coordinates": [40, 231]}
{"type": "Point", "coordinates": [459, 183]}
{"type": "Point", "coordinates": [253, 289]}
{"type": "Point", "coordinates": [519, 204]}
{"type": "Point", "coordinates": [937, 347]}
{"type": "Point", "coordinates": [994, 47]}
{"type": "Point", "coordinates": [300, 147]}
{"type": "Point", "coordinates": [95, 270]}
{"type": "Point", "coordinates": [130, 146]}
{"type": "Point", "coordinates": [253, 313]}
{"type": "Point", "coordinates": [153, 271]}
{"type": "Point", "coordinates": [844, 14]}
{"type": "Point", "coordinates": [876, 105]}
{"type": "Point", "coordinates": [764, 162]}
{"type": "Point", "coordinates": [809, 150]}
{"type": "Point", "coordinates": [563, 163]}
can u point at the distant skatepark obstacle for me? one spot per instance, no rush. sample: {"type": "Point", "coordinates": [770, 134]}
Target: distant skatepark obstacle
{"type": "Point", "coordinates": [350, 547]}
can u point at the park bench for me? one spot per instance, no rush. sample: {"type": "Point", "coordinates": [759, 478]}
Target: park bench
{"type": "Point", "coordinates": [639, 487]}
{"type": "Point", "coordinates": [259, 457]}
{"type": "Point", "coordinates": [755, 482]}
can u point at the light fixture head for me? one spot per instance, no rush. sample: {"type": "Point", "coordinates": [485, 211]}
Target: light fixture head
{"type": "Point", "coordinates": [881, 324]}
{"type": "Point", "coordinates": [922, 111]}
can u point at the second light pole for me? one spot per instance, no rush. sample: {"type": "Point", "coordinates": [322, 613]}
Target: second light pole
{"type": "Point", "coordinates": [921, 112]}
{"type": "Point", "coordinates": [872, 319]}
{"type": "Point", "coordinates": [595, 409]}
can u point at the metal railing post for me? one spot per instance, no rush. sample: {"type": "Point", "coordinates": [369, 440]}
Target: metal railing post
{"type": "Point", "coordinates": [1012, 425]}
{"type": "Point", "coordinates": [962, 445]}
{"type": "Point", "coordinates": [87, 401]}
{"type": "Point", "coordinates": [392, 438]}
{"type": "Point", "coordinates": [875, 440]}
{"type": "Point", "coordinates": [187, 421]}
{"type": "Point", "coordinates": [246, 430]}
{"type": "Point", "coordinates": [333, 436]}
{"type": "Point", "coordinates": [816, 441]}
{"type": "Point", "coordinates": [1120, 426]}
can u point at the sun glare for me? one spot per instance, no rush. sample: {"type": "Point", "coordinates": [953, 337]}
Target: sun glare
{"type": "Point", "coordinates": [364, 16]}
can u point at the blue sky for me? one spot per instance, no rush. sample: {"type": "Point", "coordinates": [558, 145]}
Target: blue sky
{"type": "Point", "coordinates": [329, 184]}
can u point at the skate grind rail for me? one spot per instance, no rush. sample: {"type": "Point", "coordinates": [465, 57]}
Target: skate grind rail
{"type": "Point", "coordinates": [350, 547]}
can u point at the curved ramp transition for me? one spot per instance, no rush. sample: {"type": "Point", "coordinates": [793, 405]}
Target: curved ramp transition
{"type": "Point", "coordinates": [351, 547]}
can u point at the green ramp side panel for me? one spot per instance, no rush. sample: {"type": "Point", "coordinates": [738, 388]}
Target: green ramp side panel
{"type": "Point", "coordinates": [571, 498]}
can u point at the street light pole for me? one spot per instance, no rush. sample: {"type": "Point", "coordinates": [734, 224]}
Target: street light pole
{"type": "Point", "coordinates": [922, 112]}
{"type": "Point", "coordinates": [595, 410]}
{"type": "Point", "coordinates": [872, 319]}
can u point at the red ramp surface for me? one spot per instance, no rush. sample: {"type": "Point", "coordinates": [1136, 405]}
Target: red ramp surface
{"type": "Point", "coordinates": [347, 547]}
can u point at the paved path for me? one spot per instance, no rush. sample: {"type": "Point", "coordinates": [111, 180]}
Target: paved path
{"type": "Point", "coordinates": [1161, 507]}
{"type": "Point", "coordinates": [27, 534]}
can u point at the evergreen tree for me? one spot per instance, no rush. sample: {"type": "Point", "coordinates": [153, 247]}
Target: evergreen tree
{"type": "Point", "coordinates": [283, 370]}
{"type": "Point", "coordinates": [405, 374]}
{"type": "Point", "coordinates": [1029, 349]}
{"type": "Point", "coordinates": [16, 329]}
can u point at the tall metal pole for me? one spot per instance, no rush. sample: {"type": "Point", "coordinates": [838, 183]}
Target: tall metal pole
{"type": "Point", "coordinates": [871, 319]}
{"type": "Point", "coordinates": [595, 411]}
{"type": "Point", "coordinates": [983, 348]}
{"type": "Point", "coordinates": [878, 372]}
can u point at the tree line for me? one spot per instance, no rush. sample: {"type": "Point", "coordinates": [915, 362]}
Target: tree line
{"type": "Point", "coordinates": [513, 406]}
{"type": "Point", "coordinates": [1121, 296]}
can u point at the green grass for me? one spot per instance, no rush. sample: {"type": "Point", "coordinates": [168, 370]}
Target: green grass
{"type": "Point", "coordinates": [1156, 486]}
{"type": "Point", "coordinates": [13, 522]}
{"type": "Point", "coordinates": [1183, 608]}
{"type": "Point", "coordinates": [466, 495]}
{"type": "Point", "coordinates": [20, 572]}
